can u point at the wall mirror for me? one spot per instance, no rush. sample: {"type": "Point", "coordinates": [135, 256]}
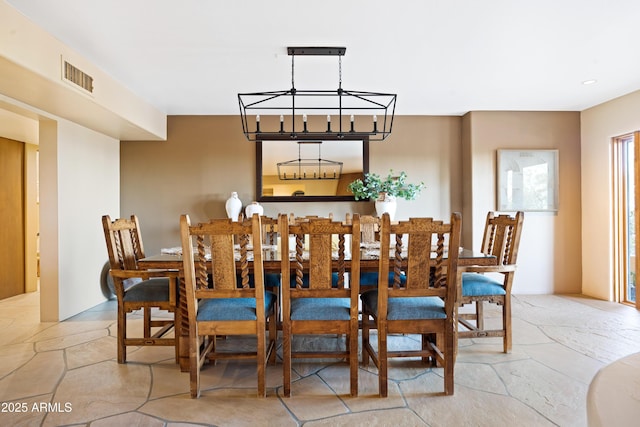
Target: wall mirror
{"type": "Point", "coordinates": [318, 171]}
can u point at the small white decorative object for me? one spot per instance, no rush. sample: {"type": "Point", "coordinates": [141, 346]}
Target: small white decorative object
{"type": "Point", "coordinates": [233, 206]}
{"type": "Point", "coordinates": [252, 208]}
{"type": "Point", "coordinates": [386, 203]}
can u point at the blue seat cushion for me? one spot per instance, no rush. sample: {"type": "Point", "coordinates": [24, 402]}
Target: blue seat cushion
{"type": "Point", "coordinates": [406, 308]}
{"type": "Point", "coordinates": [320, 309]}
{"type": "Point", "coordinates": [370, 278]}
{"type": "Point", "coordinates": [305, 280]}
{"type": "Point", "coordinates": [148, 290]}
{"type": "Point", "coordinates": [474, 284]}
{"type": "Point", "coordinates": [233, 308]}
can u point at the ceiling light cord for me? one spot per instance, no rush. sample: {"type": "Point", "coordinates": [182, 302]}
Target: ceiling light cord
{"type": "Point", "coordinates": [293, 73]}
{"type": "Point", "coordinates": [339, 73]}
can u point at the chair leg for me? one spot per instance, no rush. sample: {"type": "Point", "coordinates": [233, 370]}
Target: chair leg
{"type": "Point", "coordinates": [365, 339]}
{"type": "Point", "coordinates": [273, 336]}
{"type": "Point", "coordinates": [177, 321]}
{"type": "Point", "coordinates": [214, 347]}
{"type": "Point", "coordinates": [480, 315]}
{"type": "Point", "coordinates": [261, 357]}
{"type": "Point", "coordinates": [353, 361]}
{"type": "Point", "coordinates": [382, 361]}
{"type": "Point", "coordinates": [506, 323]}
{"type": "Point", "coordinates": [122, 335]}
{"type": "Point", "coordinates": [146, 311]}
{"type": "Point", "coordinates": [449, 359]}
{"type": "Point", "coordinates": [276, 307]}
{"type": "Point", "coordinates": [455, 333]}
{"type": "Point", "coordinates": [425, 345]}
{"type": "Point", "coordinates": [440, 341]}
{"type": "Point", "coordinates": [194, 366]}
{"type": "Point", "coordinates": [286, 358]}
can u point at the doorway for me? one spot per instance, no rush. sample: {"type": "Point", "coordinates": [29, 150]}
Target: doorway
{"type": "Point", "coordinates": [626, 187]}
{"type": "Point", "coordinates": [12, 214]}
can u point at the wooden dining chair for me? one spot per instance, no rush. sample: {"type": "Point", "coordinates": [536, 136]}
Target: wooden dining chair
{"type": "Point", "coordinates": [370, 240]}
{"type": "Point", "coordinates": [427, 250]}
{"type": "Point", "coordinates": [139, 289]}
{"type": "Point", "coordinates": [270, 234]}
{"type": "Point", "coordinates": [369, 229]}
{"type": "Point", "coordinates": [294, 219]}
{"type": "Point", "coordinates": [492, 283]}
{"type": "Point", "coordinates": [322, 300]}
{"type": "Point", "coordinates": [269, 230]}
{"type": "Point", "coordinates": [217, 304]}
{"type": "Point", "coordinates": [272, 281]}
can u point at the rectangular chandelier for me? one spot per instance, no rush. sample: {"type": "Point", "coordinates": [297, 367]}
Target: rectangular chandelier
{"type": "Point", "coordinates": [286, 114]}
{"type": "Point", "coordinates": [309, 168]}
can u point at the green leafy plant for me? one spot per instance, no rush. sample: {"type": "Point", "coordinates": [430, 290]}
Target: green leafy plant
{"type": "Point", "coordinates": [374, 186]}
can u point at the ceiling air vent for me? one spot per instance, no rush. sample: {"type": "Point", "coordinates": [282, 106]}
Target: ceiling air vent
{"type": "Point", "coordinates": [79, 78]}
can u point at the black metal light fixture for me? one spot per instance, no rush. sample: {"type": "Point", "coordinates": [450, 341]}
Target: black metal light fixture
{"type": "Point", "coordinates": [308, 168]}
{"type": "Point", "coordinates": [351, 115]}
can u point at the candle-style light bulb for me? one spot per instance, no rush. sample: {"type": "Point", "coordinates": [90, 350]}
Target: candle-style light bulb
{"type": "Point", "coordinates": [328, 123]}
{"type": "Point", "coordinates": [375, 124]}
{"type": "Point", "coordinates": [258, 123]}
{"type": "Point", "coordinates": [304, 118]}
{"type": "Point", "coordinates": [352, 119]}
{"type": "Point", "coordinates": [281, 123]}
{"type": "Point", "coordinates": [304, 122]}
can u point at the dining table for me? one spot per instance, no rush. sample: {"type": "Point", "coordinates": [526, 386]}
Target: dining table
{"type": "Point", "coordinates": [171, 259]}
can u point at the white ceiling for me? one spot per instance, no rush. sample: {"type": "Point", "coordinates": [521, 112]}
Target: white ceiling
{"type": "Point", "coordinates": [442, 57]}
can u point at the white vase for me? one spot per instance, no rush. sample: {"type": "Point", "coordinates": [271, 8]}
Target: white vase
{"type": "Point", "coordinates": [386, 203]}
{"type": "Point", "coordinates": [233, 206]}
{"type": "Point", "coordinates": [253, 207]}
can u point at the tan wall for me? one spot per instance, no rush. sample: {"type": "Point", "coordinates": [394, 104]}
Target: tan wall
{"type": "Point", "coordinates": [549, 259]}
{"type": "Point", "coordinates": [599, 125]}
{"type": "Point", "coordinates": [205, 158]}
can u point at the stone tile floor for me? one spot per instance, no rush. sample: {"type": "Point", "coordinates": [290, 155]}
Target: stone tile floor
{"type": "Point", "coordinates": [65, 373]}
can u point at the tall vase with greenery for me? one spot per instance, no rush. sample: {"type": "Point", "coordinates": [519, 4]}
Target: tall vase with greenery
{"type": "Point", "coordinates": [384, 191]}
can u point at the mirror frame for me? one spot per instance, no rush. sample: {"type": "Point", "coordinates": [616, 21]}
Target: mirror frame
{"type": "Point", "coordinates": [261, 198]}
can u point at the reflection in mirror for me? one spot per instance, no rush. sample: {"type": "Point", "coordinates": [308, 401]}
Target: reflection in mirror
{"type": "Point", "coordinates": [309, 171]}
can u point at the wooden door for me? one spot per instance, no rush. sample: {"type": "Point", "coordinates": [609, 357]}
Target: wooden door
{"type": "Point", "coordinates": [11, 218]}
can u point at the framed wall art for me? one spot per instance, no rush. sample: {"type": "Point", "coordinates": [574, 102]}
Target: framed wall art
{"type": "Point", "coordinates": [528, 180]}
